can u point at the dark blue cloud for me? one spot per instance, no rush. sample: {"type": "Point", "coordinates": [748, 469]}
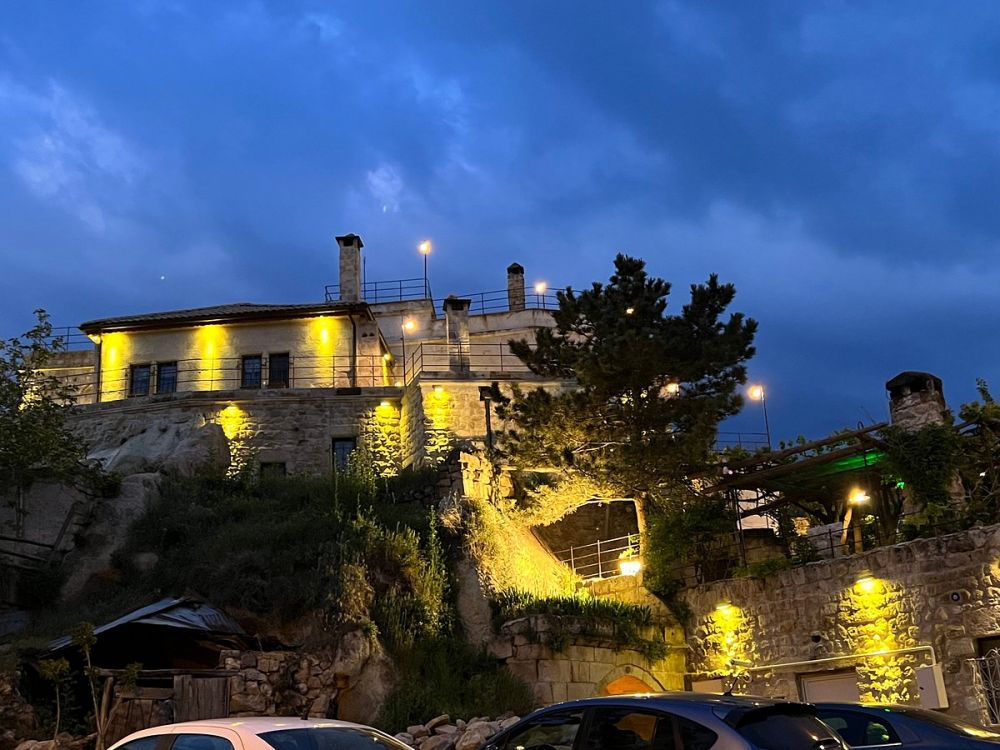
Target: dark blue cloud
{"type": "Point", "coordinates": [837, 161]}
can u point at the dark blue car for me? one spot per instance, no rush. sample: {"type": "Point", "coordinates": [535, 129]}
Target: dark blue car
{"type": "Point", "coordinates": [670, 721]}
{"type": "Point", "coordinates": [903, 727]}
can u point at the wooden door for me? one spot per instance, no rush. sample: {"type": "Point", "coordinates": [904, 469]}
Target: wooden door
{"type": "Point", "coordinates": [200, 698]}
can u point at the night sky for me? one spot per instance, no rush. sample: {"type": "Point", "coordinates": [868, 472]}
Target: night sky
{"type": "Point", "coordinates": [837, 161]}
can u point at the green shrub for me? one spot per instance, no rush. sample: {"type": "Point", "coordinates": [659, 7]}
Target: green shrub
{"type": "Point", "coordinates": [445, 675]}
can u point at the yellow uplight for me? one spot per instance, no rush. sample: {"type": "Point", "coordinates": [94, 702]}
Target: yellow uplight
{"type": "Point", "coordinates": [409, 325]}
{"type": "Point", "coordinates": [629, 567]}
{"type": "Point", "coordinates": [387, 356]}
{"type": "Point", "coordinates": [673, 389]}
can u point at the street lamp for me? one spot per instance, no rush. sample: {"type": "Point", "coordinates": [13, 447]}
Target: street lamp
{"type": "Point", "coordinates": [756, 393]}
{"type": "Point", "coordinates": [540, 287]}
{"type": "Point", "coordinates": [407, 325]}
{"type": "Point", "coordinates": [425, 250]}
{"type": "Point", "coordinates": [857, 498]}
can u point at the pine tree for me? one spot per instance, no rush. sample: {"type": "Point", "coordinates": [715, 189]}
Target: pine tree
{"type": "Point", "coordinates": [646, 390]}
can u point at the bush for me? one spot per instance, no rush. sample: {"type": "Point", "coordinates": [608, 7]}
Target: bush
{"type": "Point", "coordinates": [445, 675]}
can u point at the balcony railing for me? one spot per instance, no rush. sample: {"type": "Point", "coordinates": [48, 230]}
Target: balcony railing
{"type": "Point", "coordinates": [395, 290]}
{"type": "Point", "coordinates": [191, 375]}
{"type": "Point", "coordinates": [603, 558]}
{"type": "Point", "coordinates": [403, 290]}
{"type": "Point", "coordinates": [468, 359]}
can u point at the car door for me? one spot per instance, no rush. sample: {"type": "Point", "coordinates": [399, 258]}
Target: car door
{"type": "Point", "coordinates": [632, 728]}
{"type": "Point", "coordinates": [859, 729]}
{"type": "Point", "coordinates": [555, 730]}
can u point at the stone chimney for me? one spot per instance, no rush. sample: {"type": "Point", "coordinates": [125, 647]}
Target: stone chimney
{"type": "Point", "coordinates": [916, 399]}
{"type": "Point", "coordinates": [350, 267]}
{"type": "Point", "coordinates": [515, 287]}
{"type": "Point", "coordinates": [456, 325]}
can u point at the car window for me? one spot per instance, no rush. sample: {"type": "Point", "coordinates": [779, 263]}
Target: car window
{"type": "Point", "coordinates": [629, 729]}
{"type": "Point", "coordinates": [769, 730]}
{"type": "Point", "coordinates": [331, 738]}
{"type": "Point", "coordinates": [859, 729]}
{"type": "Point", "coordinates": [694, 736]}
{"type": "Point", "coordinates": [200, 742]}
{"type": "Point", "coordinates": [557, 730]}
{"type": "Point", "coordinates": [143, 743]}
{"type": "Point", "coordinates": [949, 723]}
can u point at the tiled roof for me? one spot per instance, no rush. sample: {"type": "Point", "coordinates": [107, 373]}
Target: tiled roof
{"type": "Point", "coordinates": [235, 311]}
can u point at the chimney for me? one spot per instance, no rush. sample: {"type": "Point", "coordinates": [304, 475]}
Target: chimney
{"type": "Point", "coordinates": [456, 322]}
{"type": "Point", "coordinates": [916, 399]}
{"type": "Point", "coordinates": [515, 287]}
{"type": "Point", "coordinates": [350, 267]}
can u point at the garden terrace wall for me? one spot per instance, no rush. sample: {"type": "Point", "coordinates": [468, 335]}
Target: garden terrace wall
{"type": "Point", "coordinates": [562, 665]}
{"type": "Point", "coordinates": [942, 593]}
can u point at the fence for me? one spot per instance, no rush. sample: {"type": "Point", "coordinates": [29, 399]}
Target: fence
{"type": "Point", "coordinates": [228, 373]}
{"type": "Point", "coordinates": [461, 358]}
{"type": "Point", "coordinates": [986, 678]}
{"type": "Point", "coordinates": [603, 558]}
{"type": "Point", "coordinates": [403, 290]}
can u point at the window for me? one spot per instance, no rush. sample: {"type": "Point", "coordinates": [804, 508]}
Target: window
{"type": "Point", "coordinates": [331, 738]}
{"type": "Point", "coordinates": [277, 370]}
{"type": "Point", "coordinates": [166, 377]}
{"type": "Point", "coordinates": [138, 380]}
{"type": "Point", "coordinates": [272, 469]}
{"type": "Point", "coordinates": [858, 729]}
{"type": "Point", "coordinates": [629, 729]}
{"type": "Point", "coordinates": [789, 730]}
{"type": "Point", "coordinates": [342, 449]}
{"type": "Point", "coordinates": [555, 731]}
{"type": "Point", "coordinates": [250, 376]}
{"type": "Point", "coordinates": [200, 742]}
{"type": "Point", "coordinates": [143, 743]}
{"type": "Point", "coordinates": [693, 736]}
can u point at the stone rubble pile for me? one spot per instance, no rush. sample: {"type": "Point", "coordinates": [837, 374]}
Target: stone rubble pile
{"type": "Point", "coordinates": [441, 734]}
{"type": "Point", "coordinates": [64, 741]}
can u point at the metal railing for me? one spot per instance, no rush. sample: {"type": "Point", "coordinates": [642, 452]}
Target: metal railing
{"type": "Point", "coordinates": [70, 338]}
{"type": "Point", "coordinates": [402, 290]}
{"type": "Point", "coordinates": [751, 441]}
{"type": "Point", "coordinates": [986, 680]}
{"type": "Point", "coordinates": [601, 559]}
{"type": "Point", "coordinates": [394, 290]}
{"type": "Point", "coordinates": [227, 373]}
{"type": "Point", "coordinates": [482, 359]}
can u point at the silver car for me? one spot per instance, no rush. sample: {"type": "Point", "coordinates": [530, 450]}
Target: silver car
{"type": "Point", "coordinates": [670, 721]}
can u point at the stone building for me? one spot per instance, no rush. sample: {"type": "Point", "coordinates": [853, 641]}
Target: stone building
{"type": "Point", "coordinates": [297, 387]}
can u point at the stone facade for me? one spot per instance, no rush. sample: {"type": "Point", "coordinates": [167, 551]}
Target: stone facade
{"type": "Point", "coordinates": [880, 615]}
{"type": "Point", "coordinates": [349, 683]}
{"type": "Point", "coordinates": [585, 665]}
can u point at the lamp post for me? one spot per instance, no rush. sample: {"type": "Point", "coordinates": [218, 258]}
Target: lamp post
{"type": "Point", "coordinates": [486, 396]}
{"type": "Point", "coordinates": [756, 393]}
{"type": "Point", "coordinates": [425, 250]}
{"type": "Point", "coordinates": [540, 287]}
{"type": "Point", "coordinates": [857, 498]}
{"type": "Point", "coordinates": [408, 325]}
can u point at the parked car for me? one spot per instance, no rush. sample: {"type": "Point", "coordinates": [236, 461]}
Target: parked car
{"type": "Point", "coordinates": [670, 721]}
{"type": "Point", "coordinates": [274, 733]}
{"type": "Point", "coordinates": [904, 727]}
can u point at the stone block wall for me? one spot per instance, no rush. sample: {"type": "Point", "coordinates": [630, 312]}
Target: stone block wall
{"type": "Point", "coordinates": [294, 426]}
{"type": "Point", "coordinates": [941, 594]}
{"type": "Point", "coordinates": [562, 666]}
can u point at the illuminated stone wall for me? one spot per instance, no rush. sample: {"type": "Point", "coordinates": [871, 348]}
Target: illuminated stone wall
{"type": "Point", "coordinates": [584, 666]}
{"type": "Point", "coordinates": [292, 426]}
{"type": "Point", "coordinates": [942, 592]}
{"type": "Point", "coordinates": [208, 357]}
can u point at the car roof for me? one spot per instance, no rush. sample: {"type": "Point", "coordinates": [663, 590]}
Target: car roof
{"type": "Point", "coordinates": [678, 699]}
{"type": "Point", "coordinates": [251, 724]}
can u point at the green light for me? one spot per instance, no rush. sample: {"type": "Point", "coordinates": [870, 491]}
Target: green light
{"type": "Point", "coordinates": [900, 485]}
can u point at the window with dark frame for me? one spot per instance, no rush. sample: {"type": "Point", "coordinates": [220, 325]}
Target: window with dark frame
{"type": "Point", "coordinates": [250, 371]}
{"type": "Point", "coordinates": [278, 370]}
{"type": "Point", "coordinates": [342, 449]}
{"type": "Point", "coordinates": [166, 377]}
{"type": "Point", "coordinates": [138, 380]}
{"type": "Point", "coordinates": [273, 469]}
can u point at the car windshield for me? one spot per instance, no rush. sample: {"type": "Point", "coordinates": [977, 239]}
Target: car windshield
{"type": "Point", "coordinates": [948, 723]}
{"type": "Point", "coordinates": [330, 738]}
